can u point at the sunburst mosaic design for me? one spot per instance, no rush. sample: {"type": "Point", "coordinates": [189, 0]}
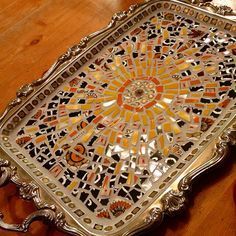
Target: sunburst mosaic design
{"type": "Point", "coordinates": [113, 130]}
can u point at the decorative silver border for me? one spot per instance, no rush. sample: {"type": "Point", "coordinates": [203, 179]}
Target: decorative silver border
{"type": "Point", "coordinates": [172, 202]}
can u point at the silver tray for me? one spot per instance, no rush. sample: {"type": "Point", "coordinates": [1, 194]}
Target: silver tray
{"type": "Point", "coordinates": [110, 139]}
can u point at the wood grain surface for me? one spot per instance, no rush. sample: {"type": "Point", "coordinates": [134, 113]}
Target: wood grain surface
{"type": "Point", "coordinates": [33, 33]}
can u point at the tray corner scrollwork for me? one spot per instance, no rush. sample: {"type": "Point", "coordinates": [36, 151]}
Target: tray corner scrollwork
{"type": "Point", "coordinates": [66, 58]}
{"type": "Point", "coordinates": [175, 201]}
{"type": "Point", "coordinates": [30, 191]}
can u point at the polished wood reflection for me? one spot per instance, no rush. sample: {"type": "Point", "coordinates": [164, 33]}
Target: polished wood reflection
{"type": "Point", "coordinates": [33, 34]}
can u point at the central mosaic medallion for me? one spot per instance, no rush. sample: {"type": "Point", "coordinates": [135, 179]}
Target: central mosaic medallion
{"type": "Point", "coordinates": [140, 93]}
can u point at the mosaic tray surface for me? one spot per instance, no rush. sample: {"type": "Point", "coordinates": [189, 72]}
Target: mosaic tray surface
{"type": "Point", "coordinates": [113, 130]}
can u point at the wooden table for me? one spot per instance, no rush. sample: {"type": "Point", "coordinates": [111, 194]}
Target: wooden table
{"type": "Point", "coordinates": [33, 34]}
